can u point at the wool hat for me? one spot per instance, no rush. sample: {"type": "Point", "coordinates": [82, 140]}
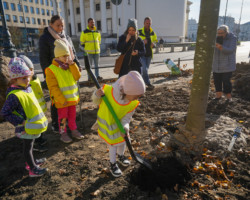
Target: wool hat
{"type": "Point", "coordinates": [133, 83]}
{"type": "Point", "coordinates": [18, 68]}
{"type": "Point", "coordinates": [27, 61]}
{"type": "Point", "coordinates": [61, 48]}
{"type": "Point", "coordinates": [132, 23]}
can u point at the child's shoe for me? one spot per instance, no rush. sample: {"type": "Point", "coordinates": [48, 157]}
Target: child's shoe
{"type": "Point", "coordinates": [39, 148]}
{"type": "Point", "coordinates": [123, 160]}
{"type": "Point", "coordinates": [37, 172]}
{"type": "Point", "coordinates": [115, 170]}
{"type": "Point", "coordinates": [76, 134]}
{"type": "Point", "coordinates": [65, 138]}
{"type": "Point", "coordinates": [38, 162]}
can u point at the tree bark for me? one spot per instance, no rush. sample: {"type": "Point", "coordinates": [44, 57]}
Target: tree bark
{"type": "Point", "coordinates": [194, 130]}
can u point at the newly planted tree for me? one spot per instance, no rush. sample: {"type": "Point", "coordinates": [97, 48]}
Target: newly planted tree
{"type": "Point", "coordinates": [193, 132]}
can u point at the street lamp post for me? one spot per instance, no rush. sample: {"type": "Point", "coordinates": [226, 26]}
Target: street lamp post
{"type": "Point", "coordinates": [9, 47]}
{"type": "Point", "coordinates": [24, 21]}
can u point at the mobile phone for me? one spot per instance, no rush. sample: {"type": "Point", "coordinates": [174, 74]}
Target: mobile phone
{"type": "Point", "coordinates": [219, 40]}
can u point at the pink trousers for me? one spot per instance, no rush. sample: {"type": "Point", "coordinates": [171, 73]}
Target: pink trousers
{"type": "Point", "coordinates": [70, 114]}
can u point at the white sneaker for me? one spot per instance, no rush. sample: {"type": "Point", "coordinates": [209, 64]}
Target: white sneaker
{"type": "Point", "coordinates": [123, 160]}
{"type": "Point", "coordinates": [115, 170]}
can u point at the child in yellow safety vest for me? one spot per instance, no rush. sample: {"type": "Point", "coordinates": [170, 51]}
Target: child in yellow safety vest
{"type": "Point", "coordinates": [22, 109]}
{"type": "Point", "coordinates": [61, 77]}
{"type": "Point", "coordinates": [37, 89]}
{"type": "Point", "coordinates": [122, 95]}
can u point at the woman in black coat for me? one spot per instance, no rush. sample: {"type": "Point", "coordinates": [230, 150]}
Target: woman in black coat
{"type": "Point", "coordinates": [133, 47]}
{"type": "Point", "coordinates": [46, 53]}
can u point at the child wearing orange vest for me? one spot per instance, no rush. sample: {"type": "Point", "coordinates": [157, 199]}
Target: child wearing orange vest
{"type": "Point", "coordinates": [122, 95]}
{"type": "Point", "coordinates": [61, 77]}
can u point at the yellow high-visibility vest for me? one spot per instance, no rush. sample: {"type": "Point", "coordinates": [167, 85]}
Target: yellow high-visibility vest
{"type": "Point", "coordinates": [37, 89]}
{"type": "Point", "coordinates": [107, 127]}
{"type": "Point", "coordinates": [67, 83]}
{"type": "Point", "coordinates": [36, 121]}
{"type": "Point", "coordinates": [91, 39]}
{"type": "Point", "coordinates": [152, 34]}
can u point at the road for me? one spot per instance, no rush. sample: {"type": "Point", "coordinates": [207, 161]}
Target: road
{"type": "Point", "coordinates": [157, 66]}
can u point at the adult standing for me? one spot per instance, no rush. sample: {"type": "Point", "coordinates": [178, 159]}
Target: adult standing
{"type": "Point", "coordinates": [149, 37]}
{"type": "Point", "coordinates": [54, 31]}
{"type": "Point", "coordinates": [133, 48]}
{"type": "Point", "coordinates": [91, 39]}
{"type": "Point", "coordinates": [224, 62]}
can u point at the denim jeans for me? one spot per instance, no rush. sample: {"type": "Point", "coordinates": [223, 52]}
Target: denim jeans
{"type": "Point", "coordinates": [145, 65]}
{"type": "Point", "coordinates": [95, 58]}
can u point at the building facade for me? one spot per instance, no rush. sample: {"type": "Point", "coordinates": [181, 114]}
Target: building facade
{"type": "Point", "coordinates": [27, 18]}
{"type": "Point", "coordinates": [192, 30]}
{"type": "Point", "coordinates": [244, 32]}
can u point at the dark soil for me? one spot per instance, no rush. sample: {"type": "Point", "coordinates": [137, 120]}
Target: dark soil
{"type": "Point", "coordinates": [80, 170]}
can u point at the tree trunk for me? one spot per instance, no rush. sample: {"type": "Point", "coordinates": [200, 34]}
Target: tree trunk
{"type": "Point", "coordinates": [194, 130]}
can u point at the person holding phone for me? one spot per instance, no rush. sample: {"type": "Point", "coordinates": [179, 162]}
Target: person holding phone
{"type": "Point", "coordinates": [133, 47]}
{"type": "Point", "coordinates": [224, 62]}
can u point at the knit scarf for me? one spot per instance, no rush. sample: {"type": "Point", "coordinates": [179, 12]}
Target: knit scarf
{"type": "Point", "coordinates": [62, 36]}
{"type": "Point", "coordinates": [62, 65]}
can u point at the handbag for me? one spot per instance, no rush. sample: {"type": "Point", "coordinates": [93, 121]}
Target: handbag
{"type": "Point", "coordinates": [119, 60]}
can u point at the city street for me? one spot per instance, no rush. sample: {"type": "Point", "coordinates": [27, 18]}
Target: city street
{"type": "Point", "coordinates": [157, 65]}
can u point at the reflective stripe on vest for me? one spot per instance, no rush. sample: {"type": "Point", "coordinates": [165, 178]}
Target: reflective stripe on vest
{"type": "Point", "coordinates": [107, 127]}
{"type": "Point", "coordinates": [66, 83]}
{"type": "Point", "coordinates": [37, 89]}
{"type": "Point", "coordinates": [36, 121]}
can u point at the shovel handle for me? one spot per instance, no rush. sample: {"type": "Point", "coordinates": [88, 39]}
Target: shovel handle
{"type": "Point", "coordinates": [87, 66]}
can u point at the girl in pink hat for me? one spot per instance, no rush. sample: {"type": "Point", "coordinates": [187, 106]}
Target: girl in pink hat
{"type": "Point", "coordinates": [122, 95]}
{"type": "Point", "coordinates": [22, 109]}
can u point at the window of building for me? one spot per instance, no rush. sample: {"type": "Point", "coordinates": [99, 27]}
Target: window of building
{"type": "Point", "coordinates": [31, 10]}
{"type": "Point", "coordinates": [47, 2]}
{"type": "Point", "coordinates": [51, 3]}
{"type": "Point", "coordinates": [108, 5]}
{"type": "Point", "coordinates": [41, 2]}
{"type": "Point", "coordinates": [47, 11]}
{"type": "Point", "coordinates": [5, 5]}
{"type": "Point", "coordinates": [42, 11]}
{"type": "Point", "coordinates": [52, 13]}
{"type": "Point", "coordinates": [79, 27]}
{"type": "Point", "coordinates": [26, 9]}
{"type": "Point", "coordinates": [48, 21]}
{"type": "Point", "coordinates": [13, 6]}
{"type": "Point", "coordinates": [21, 19]}
{"type": "Point", "coordinates": [68, 11]}
{"type": "Point", "coordinates": [78, 10]}
{"type": "Point", "coordinates": [27, 19]}
{"type": "Point", "coordinates": [37, 11]}
{"type": "Point", "coordinates": [19, 7]}
{"type": "Point", "coordinates": [36, 1]}
{"type": "Point", "coordinates": [33, 20]}
{"type": "Point", "coordinates": [38, 21]}
{"type": "Point", "coordinates": [97, 7]}
{"type": "Point", "coordinates": [98, 25]}
{"type": "Point", "coordinates": [7, 17]}
{"type": "Point", "coordinates": [60, 4]}
{"type": "Point", "coordinates": [14, 17]}
{"type": "Point", "coordinates": [119, 21]}
{"type": "Point", "coordinates": [44, 22]}
{"type": "Point", "coordinates": [31, 1]}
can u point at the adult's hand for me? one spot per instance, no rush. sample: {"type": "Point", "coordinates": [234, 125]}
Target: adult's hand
{"type": "Point", "coordinates": [218, 46]}
{"type": "Point", "coordinates": [134, 53]}
{"type": "Point", "coordinates": [128, 38]}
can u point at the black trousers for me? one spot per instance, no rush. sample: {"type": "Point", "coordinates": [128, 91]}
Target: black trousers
{"type": "Point", "coordinates": [54, 115]}
{"type": "Point", "coordinates": [28, 152]}
{"type": "Point", "coordinates": [223, 81]}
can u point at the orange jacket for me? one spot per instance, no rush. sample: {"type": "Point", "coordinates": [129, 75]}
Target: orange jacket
{"type": "Point", "coordinates": [55, 92]}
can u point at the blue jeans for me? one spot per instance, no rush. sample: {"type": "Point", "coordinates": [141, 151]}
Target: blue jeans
{"type": "Point", "coordinates": [95, 58]}
{"type": "Point", "coordinates": [145, 65]}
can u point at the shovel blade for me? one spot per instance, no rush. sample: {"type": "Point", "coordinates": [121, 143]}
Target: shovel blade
{"type": "Point", "coordinates": [143, 161]}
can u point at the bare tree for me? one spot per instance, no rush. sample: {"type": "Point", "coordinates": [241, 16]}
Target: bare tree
{"type": "Point", "coordinates": [16, 35]}
{"type": "Point", "coordinates": [193, 133]}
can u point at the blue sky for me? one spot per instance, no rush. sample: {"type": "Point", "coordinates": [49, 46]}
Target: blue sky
{"type": "Point", "coordinates": [233, 9]}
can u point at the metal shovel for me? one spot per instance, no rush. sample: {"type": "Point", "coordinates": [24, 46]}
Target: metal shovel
{"type": "Point", "coordinates": [138, 158]}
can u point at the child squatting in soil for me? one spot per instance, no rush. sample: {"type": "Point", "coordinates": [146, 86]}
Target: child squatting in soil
{"type": "Point", "coordinates": [122, 95]}
{"type": "Point", "coordinates": [38, 92]}
{"type": "Point", "coordinates": [61, 77]}
{"type": "Point", "coordinates": [22, 109]}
